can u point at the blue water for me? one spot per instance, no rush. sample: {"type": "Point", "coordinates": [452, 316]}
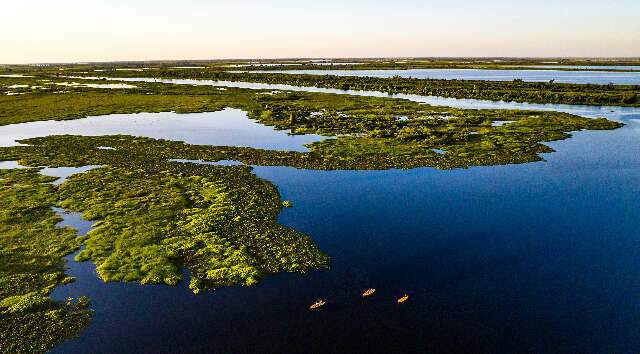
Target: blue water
{"type": "Point", "coordinates": [223, 128]}
{"type": "Point", "coordinates": [74, 221]}
{"type": "Point", "coordinates": [61, 172]}
{"type": "Point", "coordinates": [561, 76]}
{"type": "Point", "coordinates": [467, 103]}
{"type": "Point", "coordinates": [541, 257]}
{"type": "Point", "coordinates": [588, 67]}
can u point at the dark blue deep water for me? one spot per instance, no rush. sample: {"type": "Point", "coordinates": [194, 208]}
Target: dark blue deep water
{"type": "Point", "coordinates": [541, 257]}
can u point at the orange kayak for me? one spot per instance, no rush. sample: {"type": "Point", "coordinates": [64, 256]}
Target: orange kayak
{"type": "Point", "coordinates": [368, 292]}
{"type": "Point", "coordinates": [318, 304]}
{"type": "Point", "coordinates": [404, 298]}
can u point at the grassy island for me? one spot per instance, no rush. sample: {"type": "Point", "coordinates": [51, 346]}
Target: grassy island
{"type": "Point", "coordinates": [516, 90]}
{"type": "Point", "coordinates": [155, 217]}
{"type": "Point", "coordinates": [31, 266]}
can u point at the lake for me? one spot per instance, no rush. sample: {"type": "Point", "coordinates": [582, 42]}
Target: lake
{"type": "Point", "coordinates": [541, 257]}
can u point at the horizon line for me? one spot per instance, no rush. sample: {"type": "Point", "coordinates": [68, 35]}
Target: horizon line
{"type": "Point", "coordinates": [87, 62]}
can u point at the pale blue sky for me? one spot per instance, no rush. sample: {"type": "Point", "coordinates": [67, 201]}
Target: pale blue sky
{"type": "Point", "coordinates": [96, 30]}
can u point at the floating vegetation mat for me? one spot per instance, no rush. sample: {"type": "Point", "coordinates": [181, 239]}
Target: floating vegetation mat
{"type": "Point", "coordinates": [31, 266]}
{"type": "Point", "coordinates": [155, 216]}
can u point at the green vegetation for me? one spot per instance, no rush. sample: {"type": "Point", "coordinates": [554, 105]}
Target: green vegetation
{"type": "Point", "coordinates": [218, 222]}
{"type": "Point", "coordinates": [374, 133]}
{"type": "Point", "coordinates": [155, 217]}
{"type": "Point", "coordinates": [38, 106]}
{"type": "Point", "coordinates": [516, 91]}
{"type": "Point", "coordinates": [76, 102]}
{"type": "Point", "coordinates": [341, 63]}
{"type": "Point", "coordinates": [429, 63]}
{"type": "Point", "coordinates": [369, 143]}
{"type": "Point", "coordinates": [31, 265]}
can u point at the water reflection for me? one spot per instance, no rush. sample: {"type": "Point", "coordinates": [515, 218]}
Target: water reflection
{"type": "Point", "coordinates": [230, 127]}
{"type": "Point", "coordinates": [532, 257]}
{"type": "Point", "coordinates": [62, 173]}
{"type": "Point", "coordinates": [610, 112]}
{"type": "Point", "coordinates": [74, 221]}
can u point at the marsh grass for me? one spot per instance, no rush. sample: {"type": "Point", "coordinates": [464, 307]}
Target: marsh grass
{"type": "Point", "coordinates": [31, 266]}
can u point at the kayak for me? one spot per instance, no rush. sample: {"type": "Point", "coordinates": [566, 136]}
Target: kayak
{"type": "Point", "coordinates": [318, 304]}
{"type": "Point", "coordinates": [368, 292]}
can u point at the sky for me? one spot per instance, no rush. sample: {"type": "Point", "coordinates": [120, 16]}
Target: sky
{"type": "Point", "coordinates": [38, 31]}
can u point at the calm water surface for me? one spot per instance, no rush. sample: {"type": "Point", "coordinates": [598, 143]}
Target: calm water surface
{"type": "Point", "coordinates": [584, 110]}
{"type": "Point", "coordinates": [541, 257]}
{"type": "Point", "coordinates": [562, 76]}
{"type": "Point", "coordinates": [223, 128]}
{"type": "Point", "coordinates": [588, 67]}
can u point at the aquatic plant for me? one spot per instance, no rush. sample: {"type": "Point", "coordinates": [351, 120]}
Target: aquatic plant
{"type": "Point", "coordinates": [219, 221]}
{"type": "Point", "coordinates": [155, 217]}
{"type": "Point", "coordinates": [516, 91]}
{"type": "Point", "coordinates": [31, 266]}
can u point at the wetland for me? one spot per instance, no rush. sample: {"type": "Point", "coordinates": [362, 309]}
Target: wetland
{"type": "Point", "coordinates": [210, 216]}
